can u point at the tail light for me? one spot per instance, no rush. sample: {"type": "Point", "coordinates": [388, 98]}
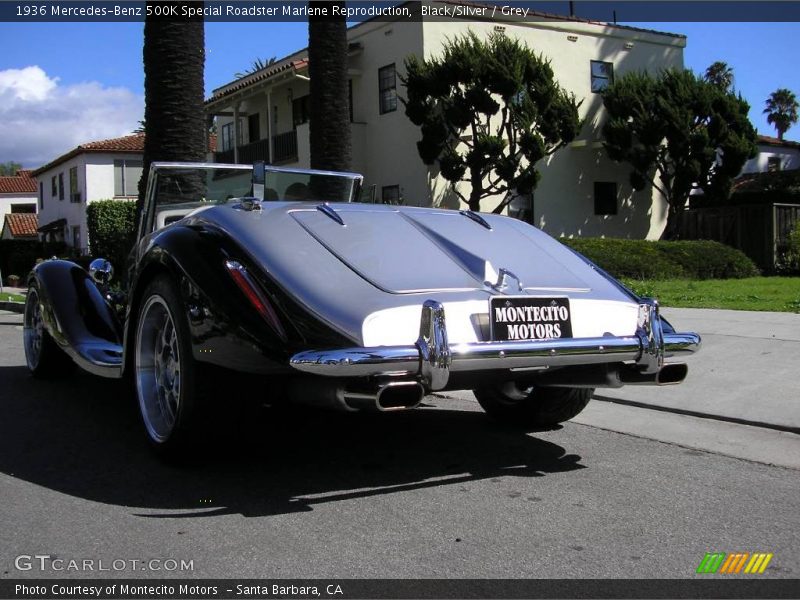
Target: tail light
{"type": "Point", "coordinates": [256, 297]}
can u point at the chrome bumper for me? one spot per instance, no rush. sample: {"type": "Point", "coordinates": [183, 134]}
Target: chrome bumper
{"type": "Point", "coordinates": [431, 359]}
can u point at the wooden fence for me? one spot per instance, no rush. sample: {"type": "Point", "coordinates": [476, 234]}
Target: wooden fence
{"type": "Point", "coordinates": [759, 230]}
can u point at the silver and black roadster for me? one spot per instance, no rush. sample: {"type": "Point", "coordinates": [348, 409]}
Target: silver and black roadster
{"type": "Point", "coordinates": [280, 273]}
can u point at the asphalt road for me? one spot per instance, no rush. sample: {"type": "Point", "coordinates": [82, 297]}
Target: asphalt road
{"type": "Point", "coordinates": [438, 492]}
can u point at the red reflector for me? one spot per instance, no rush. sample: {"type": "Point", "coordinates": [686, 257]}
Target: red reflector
{"type": "Point", "coordinates": [255, 296]}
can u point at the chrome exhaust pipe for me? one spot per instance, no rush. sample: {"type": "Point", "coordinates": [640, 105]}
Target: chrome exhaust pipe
{"type": "Point", "coordinates": [611, 376]}
{"type": "Point", "coordinates": [669, 374]}
{"type": "Point", "coordinates": [351, 397]}
{"type": "Point", "coordinates": [389, 396]}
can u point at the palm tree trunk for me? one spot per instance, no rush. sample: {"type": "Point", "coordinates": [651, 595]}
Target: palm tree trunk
{"type": "Point", "coordinates": [174, 58]}
{"type": "Point", "coordinates": [329, 115]}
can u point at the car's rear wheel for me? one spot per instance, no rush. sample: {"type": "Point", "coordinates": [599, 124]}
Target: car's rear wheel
{"type": "Point", "coordinates": [43, 356]}
{"type": "Point", "coordinates": [532, 406]}
{"type": "Point", "coordinates": [167, 388]}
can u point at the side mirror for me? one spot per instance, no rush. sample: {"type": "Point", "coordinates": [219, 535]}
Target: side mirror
{"type": "Point", "coordinates": [101, 271]}
{"type": "Point", "coordinates": [259, 179]}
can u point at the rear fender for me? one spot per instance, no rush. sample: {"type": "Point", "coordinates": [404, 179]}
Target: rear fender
{"type": "Point", "coordinates": [225, 330]}
{"type": "Point", "coordinates": [78, 318]}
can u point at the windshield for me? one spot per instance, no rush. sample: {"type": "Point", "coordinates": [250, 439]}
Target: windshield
{"type": "Point", "coordinates": [295, 186]}
{"type": "Point", "coordinates": [178, 189]}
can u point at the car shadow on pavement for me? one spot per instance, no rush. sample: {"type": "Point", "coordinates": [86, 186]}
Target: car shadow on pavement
{"type": "Point", "coordinates": [82, 436]}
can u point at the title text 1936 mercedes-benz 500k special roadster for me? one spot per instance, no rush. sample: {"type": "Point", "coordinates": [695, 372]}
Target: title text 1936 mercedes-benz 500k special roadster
{"type": "Point", "coordinates": [278, 273]}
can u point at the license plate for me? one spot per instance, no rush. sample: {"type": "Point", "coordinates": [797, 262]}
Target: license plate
{"type": "Point", "coordinates": [514, 318]}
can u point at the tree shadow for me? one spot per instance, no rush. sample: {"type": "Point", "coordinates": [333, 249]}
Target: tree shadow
{"type": "Point", "coordinates": [82, 436]}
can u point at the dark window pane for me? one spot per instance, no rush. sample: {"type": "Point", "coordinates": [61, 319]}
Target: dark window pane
{"type": "Point", "coordinates": [390, 194]}
{"type": "Point", "coordinates": [605, 197]}
{"type": "Point", "coordinates": [253, 128]}
{"type": "Point", "coordinates": [387, 88]}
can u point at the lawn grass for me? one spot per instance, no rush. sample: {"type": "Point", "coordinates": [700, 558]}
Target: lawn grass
{"type": "Point", "coordinates": [781, 294]}
{"type": "Point", "coordinates": [6, 297]}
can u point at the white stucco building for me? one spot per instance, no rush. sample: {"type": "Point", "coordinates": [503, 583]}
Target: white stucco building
{"type": "Point", "coordinates": [102, 170]}
{"type": "Point", "coordinates": [773, 155]}
{"type": "Point", "coordinates": [18, 193]}
{"type": "Point", "coordinates": [264, 116]}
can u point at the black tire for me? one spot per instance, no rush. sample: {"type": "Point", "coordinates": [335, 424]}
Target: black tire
{"type": "Point", "coordinates": [169, 391]}
{"type": "Point", "coordinates": [534, 406]}
{"type": "Point", "coordinates": [43, 356]}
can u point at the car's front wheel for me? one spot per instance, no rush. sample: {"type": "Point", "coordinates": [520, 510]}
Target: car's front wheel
{"type": "Point", "coordinates": [532, 406]}
{"type": "Point", "coordinates": [43, 356]}
{"type": "Point", "coordinates": [165, 372]}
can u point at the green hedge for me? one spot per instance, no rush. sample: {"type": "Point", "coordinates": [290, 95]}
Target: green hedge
{"type": "Point", "coordinates": [112, 230]}
{"type": "Point", "coordinates": [641, 259]}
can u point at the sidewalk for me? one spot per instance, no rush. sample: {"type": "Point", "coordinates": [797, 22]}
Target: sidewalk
{"type": "Point", "coordinates": [748, 367]}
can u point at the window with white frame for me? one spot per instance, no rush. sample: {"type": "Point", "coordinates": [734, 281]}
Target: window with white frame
{"type": "Point", "coordinates": [773, 164]}
{"type": "Point", "coordinates": [127, 173]}
{"type": "Point", "coordinates": [227, 137]}
{"type": "Point", "coordinates": [602, 75]}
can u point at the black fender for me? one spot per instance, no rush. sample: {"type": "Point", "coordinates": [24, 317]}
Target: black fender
{"type": "Point", "coordinates": [226, 330]}
{"type": "Point", "coordinates": [78, 318]}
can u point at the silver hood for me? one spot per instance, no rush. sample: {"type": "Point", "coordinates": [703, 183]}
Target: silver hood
{"type": "Point", "coordinates": [347, 261]}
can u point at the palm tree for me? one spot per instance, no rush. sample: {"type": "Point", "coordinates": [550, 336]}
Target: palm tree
{"type": "Point", "coordinates": [174, 121]}
{"type": "Point", "coordinates": [329, 115]}
{"type": "Point", "coordinates": [781, 110]}
{"type": "Point", "coordinates": [720, 75]}
{"type": "Point", "coordinates": [256, 66]}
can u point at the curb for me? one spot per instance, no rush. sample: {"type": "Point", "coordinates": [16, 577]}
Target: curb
{"type": "Point", "coordinates": [15, 307]}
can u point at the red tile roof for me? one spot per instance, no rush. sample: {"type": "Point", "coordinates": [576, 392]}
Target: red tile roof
{"type": "Point", "coordinates": [22, 225]}
{"type": "Point", "coordinates": [773, 141]}
{"type": "Point", "coordinates": [129, 143]}
{"type": "Point", "coordinates": [252, 78]}
{"type": "Point", "coordinates": [17, 185]}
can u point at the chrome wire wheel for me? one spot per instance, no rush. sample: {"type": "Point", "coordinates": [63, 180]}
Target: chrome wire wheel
{"type": "Point", "coordinates": [33, 329]}
{"type": "Point", "coordinates": [158, 368]}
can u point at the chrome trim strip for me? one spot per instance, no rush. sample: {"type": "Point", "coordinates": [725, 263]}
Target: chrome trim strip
{"type": "Point", "coordinates": [327, 210]}
{"type": "Point", "coordinates": [432, 358]}
{"type": "Point", "coordinates": [359, 362]}
{"type": "Point", "coordinates": [476, 217]}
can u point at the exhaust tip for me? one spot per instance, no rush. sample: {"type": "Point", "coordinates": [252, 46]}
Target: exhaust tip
{"type": "Point", "coordinates": [399, 395]}
{"type": "Point", "coordinates": [671, 374]}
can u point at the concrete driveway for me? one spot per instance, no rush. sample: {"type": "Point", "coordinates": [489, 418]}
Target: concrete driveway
{"type": "Point", "coordinates": [748, 369]}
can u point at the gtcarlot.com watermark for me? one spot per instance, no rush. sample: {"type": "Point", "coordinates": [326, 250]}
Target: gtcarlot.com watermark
{"type": "Point", "coordinates": [51, 563]}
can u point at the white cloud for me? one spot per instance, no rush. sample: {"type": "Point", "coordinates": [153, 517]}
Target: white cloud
{"type": "Point", "coordinates": [41, 119]}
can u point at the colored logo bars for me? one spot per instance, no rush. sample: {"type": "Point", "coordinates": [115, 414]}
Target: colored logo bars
{"type": "Point", "coordinates": [734, 563]}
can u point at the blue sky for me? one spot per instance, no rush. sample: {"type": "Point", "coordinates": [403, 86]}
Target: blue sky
{"type": "Point", "coordinates": [62, 84]}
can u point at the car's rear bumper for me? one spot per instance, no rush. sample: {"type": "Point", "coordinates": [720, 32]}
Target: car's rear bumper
{"type": "Point", "coordinates": [432, 359]}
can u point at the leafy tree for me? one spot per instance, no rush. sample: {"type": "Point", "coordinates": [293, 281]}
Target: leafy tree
{"type": "Point", "coordinates": [720, 75]}
{"type": "Point", "coordinates": [9, 168]}
{"type": "Point", "coordinates": [488, 112]}
{"type": "Point", "coordinates": [781, 110]}
{"type": "Point", "coordinates": [174, 121]}
{"type": "Point", "coordinates": [329, 113]}
{"type": "Point", "coordinates": [256, 66]}
{"type": "Point", "coordinates": [677, 130]}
